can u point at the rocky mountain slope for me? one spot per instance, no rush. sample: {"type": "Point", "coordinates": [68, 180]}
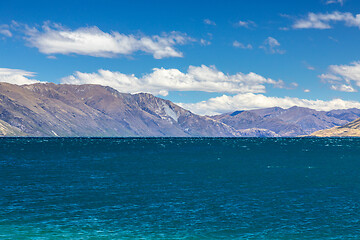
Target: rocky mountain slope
{"type": "Point", "coordinates": [8, 130]}
{"type": "Point", "coordinates": [351, 129]}
{"type": "Point", "coordinates": [92, 110]}
{"type": "Point", "coordinates": [290, 122]}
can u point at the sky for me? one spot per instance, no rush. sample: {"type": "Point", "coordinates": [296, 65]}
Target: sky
{"type": "Point", "coordinates": [210, 57]}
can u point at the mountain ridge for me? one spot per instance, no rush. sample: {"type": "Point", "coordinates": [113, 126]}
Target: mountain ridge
{"type": "Point", "coordinates": [289, 122]}
{"type": "Point", "coordinates": [48, 109]}
{"type": "Point", "coordinates": [93, 110]}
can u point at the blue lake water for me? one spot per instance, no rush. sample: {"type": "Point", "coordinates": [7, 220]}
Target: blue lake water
{"type": "Point", "coordinates": [179, 188]}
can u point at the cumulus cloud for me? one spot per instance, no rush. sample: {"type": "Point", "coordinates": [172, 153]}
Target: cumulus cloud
{"type": "Point", "coordinates": [160, 81]}
{"type": "Point", "coordinates": [17, 76]}
{"type": "Point", "coordinates": [5, 30]}
{"type": "Point", "coordinates": [241, 45]}
{"type": "Point", "coordinates": [56, 39]}
{"type": "Point", "coordinates": [341, 77]}
{"type": "Point", "coordinates": [272, 46]}
{"type": "Point", "coordinates": [343, 88]}
{"type": "Point", "coordinates": [209, 22]}
{"type": "Point", "coordinates": [324, 20]}
{"type": "Point", "coordinates": [249, 101]}
{"type": "Point", "coordinates": [245, 24]}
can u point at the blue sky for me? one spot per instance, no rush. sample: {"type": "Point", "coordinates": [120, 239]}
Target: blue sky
{"type": "Point", "coordinates": [210, 56]}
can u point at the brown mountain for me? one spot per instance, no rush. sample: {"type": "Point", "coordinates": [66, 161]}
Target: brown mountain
{"type": "Point", "coordinates": [92, 110]}
{"type": "Point", "coordinates": [351, 129]}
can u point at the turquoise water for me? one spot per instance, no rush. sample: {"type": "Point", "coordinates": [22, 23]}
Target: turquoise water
{"type": "Point", "coordinates": [179, 188]}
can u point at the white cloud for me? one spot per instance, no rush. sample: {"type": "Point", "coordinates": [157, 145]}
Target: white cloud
{"type": "Point", "coordinates": [272, 46]}
{"type": "Point", "coordinates": [284, 29]}
{"type": "Point", "coordinates": [17, 76]}
{"type": "Point", "coordinates": [343, 88]}
{"type": "Point", "coordinates": [250, 101]}
{"type": "Point", "coordinates": [209, 22]}
{"type": "Point", "coordinates": [204, 42]}
{"type": "Point", "coordinates": [4, 30]}
{"type": "Point", "coordinates": [161, 81]}
{"type": "Point", "coordinates": [311, 68]}
{"type": "Point", "coordinates": [241, 45]}
{"type": "Point", "coordinates": [245, 24]}
{"type": "Point", "coordinates": [324, 20]}
{"type": "Point", "coordinates": [308, 66]}
{"type": "Point", "coordinates": [335, 1]}
{"type": "Point", "coordinates": [341, 77]}
{"type": "Point", "coordinates": [333, 39]}
{"type": "Point", "coordinates": [55, 39]}
{"type": "Point", "coordinates": [293, 85]}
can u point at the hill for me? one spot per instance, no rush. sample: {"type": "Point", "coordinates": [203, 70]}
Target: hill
{"type": "Point", "coordinates": [351, 129]}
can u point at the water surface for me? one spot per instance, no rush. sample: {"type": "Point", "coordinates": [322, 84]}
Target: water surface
{"type": "Point", "coordinates": [179, 188]}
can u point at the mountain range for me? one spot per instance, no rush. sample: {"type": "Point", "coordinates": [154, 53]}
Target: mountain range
{"type": "Point", "coordinates": [48, 109]}
{"type": "Point", "coordinates": [289, 122]}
